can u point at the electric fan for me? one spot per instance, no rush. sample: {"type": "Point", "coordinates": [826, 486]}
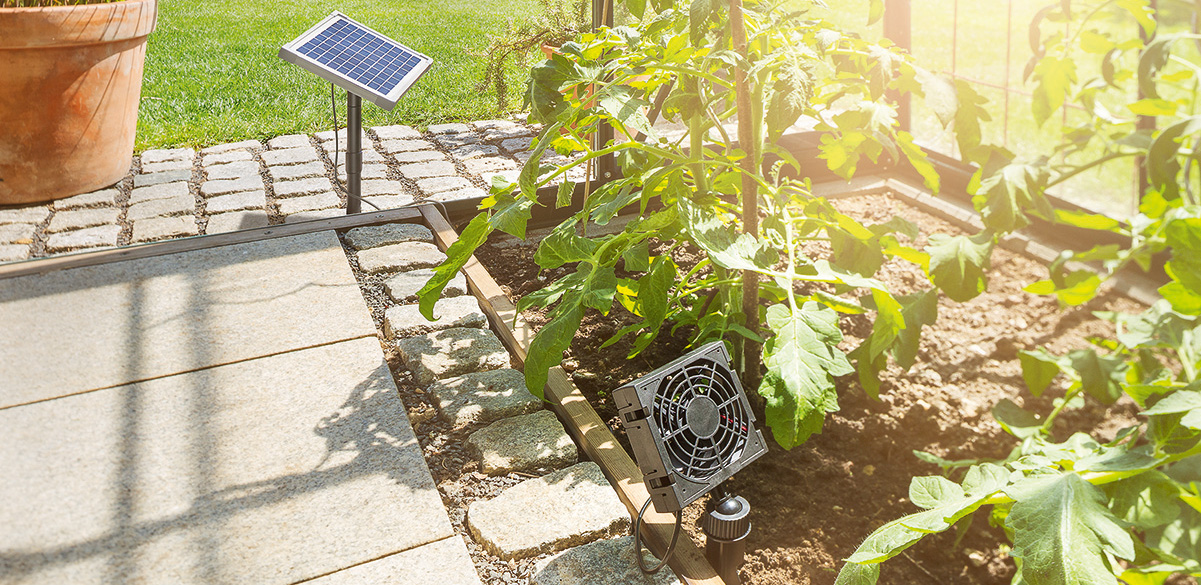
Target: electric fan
{"type": "Point", "coordinates": [690, 426]}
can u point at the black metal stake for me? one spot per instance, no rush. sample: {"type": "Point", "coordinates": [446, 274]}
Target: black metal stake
{"type": "Point", "coordinates": [354, 153]}
{"type": "Point", "coordinates": [726, 523]}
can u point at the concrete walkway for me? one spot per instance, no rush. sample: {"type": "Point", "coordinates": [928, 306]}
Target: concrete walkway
{"type": "Point", "coordinates": [217, 416]}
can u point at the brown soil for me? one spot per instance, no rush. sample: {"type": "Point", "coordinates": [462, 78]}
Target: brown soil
{"type": "Point", "coordinates": [814, 504]}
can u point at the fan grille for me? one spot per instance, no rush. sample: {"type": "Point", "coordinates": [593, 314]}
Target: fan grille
{"type": "Point", "coordinates": [700, 415]}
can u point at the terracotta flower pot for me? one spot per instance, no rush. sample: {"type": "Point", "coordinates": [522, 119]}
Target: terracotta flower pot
{"type": "Point", "coordinates": [70, 83]}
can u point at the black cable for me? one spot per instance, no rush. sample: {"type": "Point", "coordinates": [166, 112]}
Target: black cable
{"type": "Point", "coordinates": [638, 541]}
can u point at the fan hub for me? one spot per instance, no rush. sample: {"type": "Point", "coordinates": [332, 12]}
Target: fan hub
{"type": "Point", "coordinates": [702, 417]}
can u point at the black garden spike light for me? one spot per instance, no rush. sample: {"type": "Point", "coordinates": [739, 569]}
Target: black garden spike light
{"type": "Point", "coordinates": [691, 428]}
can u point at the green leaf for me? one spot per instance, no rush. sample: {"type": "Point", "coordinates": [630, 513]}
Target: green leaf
{"type": "Point", "coordinates": [699, 14]}
{"type": "Point", "coordinates": [933, 491]}
{"type": "Point", "coordinates": [1101, 376]}
{"type": "Point", "coordinates": [564, 194]}
{"type": "Point", "coordinates": [968, 115]}
{"type": "Point", "coordinates": [725, 247]}
{"type": "Point", "coordinates": [959, 264]}
{"type": "Point", "coordinates": [854, 573]}
{"type": "Point", "coordinates": [457, 255]}
{"type": "Point", "coordinates": [1183, 300]}
{"type": "Point", "coordinates": [1153, 58]}
{"type": "Point", "coordinates": [802, 361]}
{"type": "Point", "coordinates": [1146, 500]}
{"type": "Point", "coordinates": [920, 309]}
{"type": "Point", "coordinates": [637, 8]}
{"type": "Point", "coordinates": [920, 161]}
{"type": "Point", "coordinates": [1039, 368]}
{"type": "Point", "coordinates": [1142, 12]}
{"type": "Point", "coordinates": [620, 103]}
{"type": "Point", "coordinates": [1181, 401]}
{"type": "Point", "coordinates": [1016, 420]}
{"type": "Point", "coordinates": [1062, 531]}
{"type": "Point", "coordinates": [1183, 234]}
{"type": "Point", "coordinates": [548, 345]}
{"type": "Point", "coordinates": [563, 246]}
{"type": "Point", "coordinates": [875, 11]}
{"type": "Point", "coordinates": [510, 215]}
{"type": "Point", "coordinates": [1153, 107]}
{"type": "Point", "coordinates": [637, 257]}
{"type": "Point", "coordinates": [528, 179]}
{"type": "Point", "coordinates": [1006, 195]}
{"type": "Point", "coordinates": [1089, 221]}
{"type": "Point", "coordinates": [1055, 77]}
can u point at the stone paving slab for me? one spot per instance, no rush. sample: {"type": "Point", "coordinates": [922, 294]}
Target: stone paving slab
{"type": "Point", "coordinates": [12, 252]}
{"type": "Point", "coordinates": [603, 562]}
{"type": "Point", "coordinates": [325, 200]}
{"type": "Point", "coordinates": [145, 180]}
{"type": "Point", "coordinates": [158, 228]}
{"type": "Point", "coordinates": [403, 287]}
{"type": "Point", "coordinates": [566, 508]}
{"type": "Point", "coordinates": [441, 184]}
{"type": "Point", "coordinates": [99, 326]}
{"type": "Point", "coordinates": [395, 146]}
{"type": "Point", "coordinates": [233, 170]}
{"type": "Point", "coordinates": [159, 207]}
{"type": "Point", "coordinates": [82, 218]}
{"type": "Point", "coordinates": [459, 194]}
{"type": "Point", "coordinates": [374, 236]}
{"type": "Point", "coordinates": [398, 257]}
{"type": "Point", "coordinates": [289, 141]}
{"type": "Point", "coordinates": [302, 187]}
{"type": "Point", "coordinates": [407, 320]}
{"type": "Point", "coordinates": [284, 173]}
{"type": "Point", "coordinates": [396, 132]}
{"type": "Point", "coordinates": [418, 156]}
{"type": "Point", "coordinates": [226, 157]}
{"type": "Point", "coordinates": [522, 443]}
{"type": "Point", "coordinates": [106, 197]}
{"type": "Point", "coordinates": [93, 237]}
{"type": "Point", "coordinates": [223, 186]}
{"type": "Point", "coordinates": [158, 191]}
{"type": "Point", "coordinates": [25, 214]}
{"type": "Point", "coordinates": [170, 165]}
{"type": "Point", "coordinates": [445, 562]}
{"type": "Point", "coordinates": [448, 128]}
{"type": "Point", "coordinates": [245, 144]}
{"type": "Point", "coordinates": [451, 352]}
{"type": "Point", "coordinates": [291, 156]}
{"type": "Point", "coordinates": [160, 155]}
{"type": "Point", "coordinates": [483, 397]}
{"type": "Point", "coordinates": [17, 232]}
{"type": "Point", "coordinates": [269, 471]}
{"type": "Point", "coordinates": [237, 220]}
{"type": "Point", "coordinates": [236, 202]}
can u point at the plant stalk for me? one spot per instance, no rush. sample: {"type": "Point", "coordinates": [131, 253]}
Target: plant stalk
{"type": "Point", "coordinates": [751, 351]}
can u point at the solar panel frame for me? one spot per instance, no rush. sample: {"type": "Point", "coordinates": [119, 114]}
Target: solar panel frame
{"type": "Point", "coordinates": [314, 51]}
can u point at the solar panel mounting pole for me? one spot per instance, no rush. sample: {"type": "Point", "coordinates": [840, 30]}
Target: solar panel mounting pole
{"type": "Point", "coordinates": [354, 153]}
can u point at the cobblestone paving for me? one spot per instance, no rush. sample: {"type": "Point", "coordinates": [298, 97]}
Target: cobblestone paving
{"type": "Point", "coordinates": [179, 192]}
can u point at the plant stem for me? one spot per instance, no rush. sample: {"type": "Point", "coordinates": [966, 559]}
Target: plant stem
{"type": "Point", "coordinates": [750, 201]}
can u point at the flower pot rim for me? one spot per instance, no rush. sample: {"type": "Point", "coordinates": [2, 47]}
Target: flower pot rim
{"type": "Point", "coordinates": [80, 24]}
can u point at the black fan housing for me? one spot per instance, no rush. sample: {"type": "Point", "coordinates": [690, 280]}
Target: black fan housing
{"type": "Point", "coordinates": [690, 426]}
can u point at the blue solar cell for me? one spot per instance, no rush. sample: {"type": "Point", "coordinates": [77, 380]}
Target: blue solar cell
{"type": "Point", "coordinates": [357, 58]}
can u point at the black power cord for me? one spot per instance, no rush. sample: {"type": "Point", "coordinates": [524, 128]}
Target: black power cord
{"type": "Point", "coordinates": [675, 536]}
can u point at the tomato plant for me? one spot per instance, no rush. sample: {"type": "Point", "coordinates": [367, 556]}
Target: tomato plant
{"type": "Point", "coordinates": [742, 200]}
{"type": "Point", "coordinates": [1078, 509]}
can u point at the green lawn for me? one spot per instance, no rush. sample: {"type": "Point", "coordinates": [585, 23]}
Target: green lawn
{"type": "Point", "coordinates": [213, 73]}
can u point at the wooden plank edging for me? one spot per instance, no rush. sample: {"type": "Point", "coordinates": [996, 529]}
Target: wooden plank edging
{"type": "Point", "coordinates": [585, 426]}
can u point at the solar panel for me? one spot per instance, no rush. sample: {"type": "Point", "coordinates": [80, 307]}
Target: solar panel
{"type": "Point", "coordinates": [357, 59]}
